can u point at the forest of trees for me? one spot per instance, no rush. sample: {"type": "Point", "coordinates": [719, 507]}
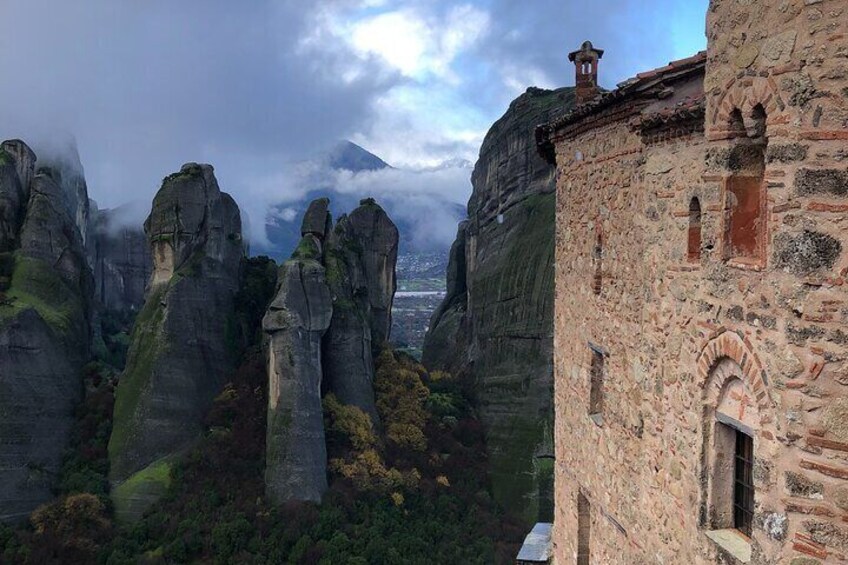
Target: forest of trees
{"type": "Point", "coordinates": [414, 491]}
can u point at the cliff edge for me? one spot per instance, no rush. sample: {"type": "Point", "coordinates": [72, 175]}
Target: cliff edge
{"type": "Point", "coordinates": [181, 348]}
{"type": "Point", "coordinates": [45, 297]}
{"type": "Point", "coordinates": [495, 325]}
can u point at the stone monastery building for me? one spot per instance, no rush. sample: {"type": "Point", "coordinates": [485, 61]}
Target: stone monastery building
{"type": "Point", "coordinates": [701, 319]}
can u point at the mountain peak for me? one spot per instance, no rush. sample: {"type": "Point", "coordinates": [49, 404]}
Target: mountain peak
{"type": "Point", "coordinates": [349, 156]}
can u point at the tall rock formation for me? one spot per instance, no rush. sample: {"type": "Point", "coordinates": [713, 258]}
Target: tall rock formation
{"type": "Point", "coordinates": [120, 259]}
{"type": "Point", "coordinates": [495, 325]}
{"type": "Point", "coordinates": [45, 295]}
{"type": "Point", "coordinates": [296, 458]}
{"type": "Point", "coordinates": [334, 295]}
{"type": "Point", "coordinates": [181, 347]}
{"type": "Point", "coordinates": [61, 159]}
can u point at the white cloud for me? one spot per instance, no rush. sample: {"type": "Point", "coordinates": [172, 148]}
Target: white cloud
{"type": "Point", "coordinates": [400, 38]}
{"type": "Point", "coordinates": [416, 43]}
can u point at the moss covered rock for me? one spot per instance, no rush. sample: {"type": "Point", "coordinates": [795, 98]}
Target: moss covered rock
{"type": "Point", "coordinates": [180, 352]}
{"type": "Point", "coordinates": [45, 298]}
{"type": "Point", "coordinates": [495, 326]}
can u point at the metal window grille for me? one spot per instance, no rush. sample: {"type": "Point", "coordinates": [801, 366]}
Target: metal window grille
{"type": "Point", "coordinates": [743, 484]}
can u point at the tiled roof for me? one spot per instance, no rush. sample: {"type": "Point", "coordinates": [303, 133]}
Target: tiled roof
{"type": "Point", "coordinates": [640, 83]}
{"type": "Point", "coordinates": [686, 109]}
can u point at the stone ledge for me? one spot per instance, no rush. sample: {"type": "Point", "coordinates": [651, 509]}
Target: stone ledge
{"type": "Point", "coordinates": [745, 264]}
{"type": "Point", "coordinates": [732, 542]}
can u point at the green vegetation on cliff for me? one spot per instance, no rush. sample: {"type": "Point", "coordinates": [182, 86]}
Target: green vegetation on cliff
{"type": "Point", "coordinates": [5, 158]}
{"type": "Point", "coordinates": [414, 492]}
{"type": "Point", "coordinates": [72, 528]}
{"type": "Point", "coordinates": [147, 333]}
{"type": "Point", "coordinates": [36, 284]}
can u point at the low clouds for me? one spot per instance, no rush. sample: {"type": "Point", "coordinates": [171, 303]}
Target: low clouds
{"type": "Point", "coordinates": [426, 203]}
{"type": "Point", "coordinates": [147, 86]}
{"type": "Point", "coordinates": [255, 87]}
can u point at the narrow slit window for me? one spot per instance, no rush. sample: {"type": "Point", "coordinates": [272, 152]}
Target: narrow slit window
{"type": "Point", "coordinates": [583, 525]}
{"type": "Point", "coordinates": [597, 281]}
{"type": "Point", "coordinates": [743, 483]}
{"type": "Point", "coordinates": [596, 375]}
{"type": "Point", "coordinates": [694, 237]}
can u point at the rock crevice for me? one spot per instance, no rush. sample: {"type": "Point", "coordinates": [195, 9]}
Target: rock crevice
{"type": "Point", "coordinates": [333, 297]}
{"type": "Point", "coordinates": [495, 325]}
{"type": "Point", "coordinates": [45, 300]}
{"type": "Point", "coordinates": [181, 348]}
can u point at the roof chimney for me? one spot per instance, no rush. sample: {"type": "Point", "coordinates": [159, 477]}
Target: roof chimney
{"type": "Point", "coordinates": [585, 62]}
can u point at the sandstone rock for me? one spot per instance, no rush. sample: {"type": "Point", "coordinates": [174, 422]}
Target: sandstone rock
{"type": "Point", "coordinates": [39, 386]}
{"type": "Point", "coordinates": [333, 296]}
{"type": "Point", "coordinates": [840, 498]}
{"type": "Point", "coordinates": [835, 419]}
{"type": "Point", "coordinates": [361, 260]}
{"type": "Point", "coordinates": [376, 236]}
{"type": "Point", "coordinates": [120, 259]}
{"type": "Point", "coordinates": [496, 323]}
{"type": "Point", "coordinates": [181, 348]}
{"type": "Point", "coordinates": [317, 219]}
{"type": "Point", "coordinates": [49, 233]}
{"type": "Point", "coordinates": [777, 50]}
{"type": "Point", "coordinates": [445, 338]}
{"type": "Point", "coordinates": [296, 453]}
{"type": "Point", "coordinates": [24, 160]}
{"type": "Point", "coordinates": [746, 56]}
{"type": "Point", "coordinates": [11, 203]}
{"type": "Point", "coordinates": [45, 295]}
{"type": "Point", "coordinates": [61, 161]}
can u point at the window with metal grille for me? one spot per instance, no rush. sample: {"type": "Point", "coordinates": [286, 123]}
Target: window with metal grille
{"type": "Point", "coordinates": [743, 483]}
{"type": "Point", "coordinates": [583, 525]}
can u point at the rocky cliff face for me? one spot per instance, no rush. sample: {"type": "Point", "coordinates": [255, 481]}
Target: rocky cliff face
{"type": "Point", "coordinates": [120, 259]}
{"type": "Point", "coordinates": [45, 296]}
{"type": "Point", "coordinates": [62, 161]}
{"type": "Point", "coordinates": [496, 323]}
{"type": "Point", "coordinates": [334, 297]}
{"type": "Point", "coordinates": [181, 347]}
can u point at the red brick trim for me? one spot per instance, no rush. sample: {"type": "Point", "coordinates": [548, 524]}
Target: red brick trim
{"type": "Point", "coordinates": [725, 344]}
{"type": "Point", "coordinates": [744, 95]}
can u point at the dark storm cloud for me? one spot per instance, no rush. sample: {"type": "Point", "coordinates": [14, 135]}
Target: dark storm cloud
{"type": "Point", "coordinates": [146, 86]}
{"type": "Point", "coordinates": [255, 86]}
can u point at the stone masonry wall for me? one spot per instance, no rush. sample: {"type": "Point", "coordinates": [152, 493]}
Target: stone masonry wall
{"type": "Point", "coordinates": [670, 328]}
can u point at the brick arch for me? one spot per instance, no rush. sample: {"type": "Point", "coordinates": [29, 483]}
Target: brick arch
{"type": "Point", "coordinates": [745, 94]}
{"type": "Point", "coordinates": [729, 345]}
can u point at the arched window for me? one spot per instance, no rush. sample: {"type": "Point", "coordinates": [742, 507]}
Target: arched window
{"type": "Point", "coordinates": [693, 252]}
{"type": "Point", "coordinates": [730, 460]}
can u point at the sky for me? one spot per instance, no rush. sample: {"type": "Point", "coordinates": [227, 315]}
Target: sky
{"type": "Point", "coordinates": [255, 87]}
